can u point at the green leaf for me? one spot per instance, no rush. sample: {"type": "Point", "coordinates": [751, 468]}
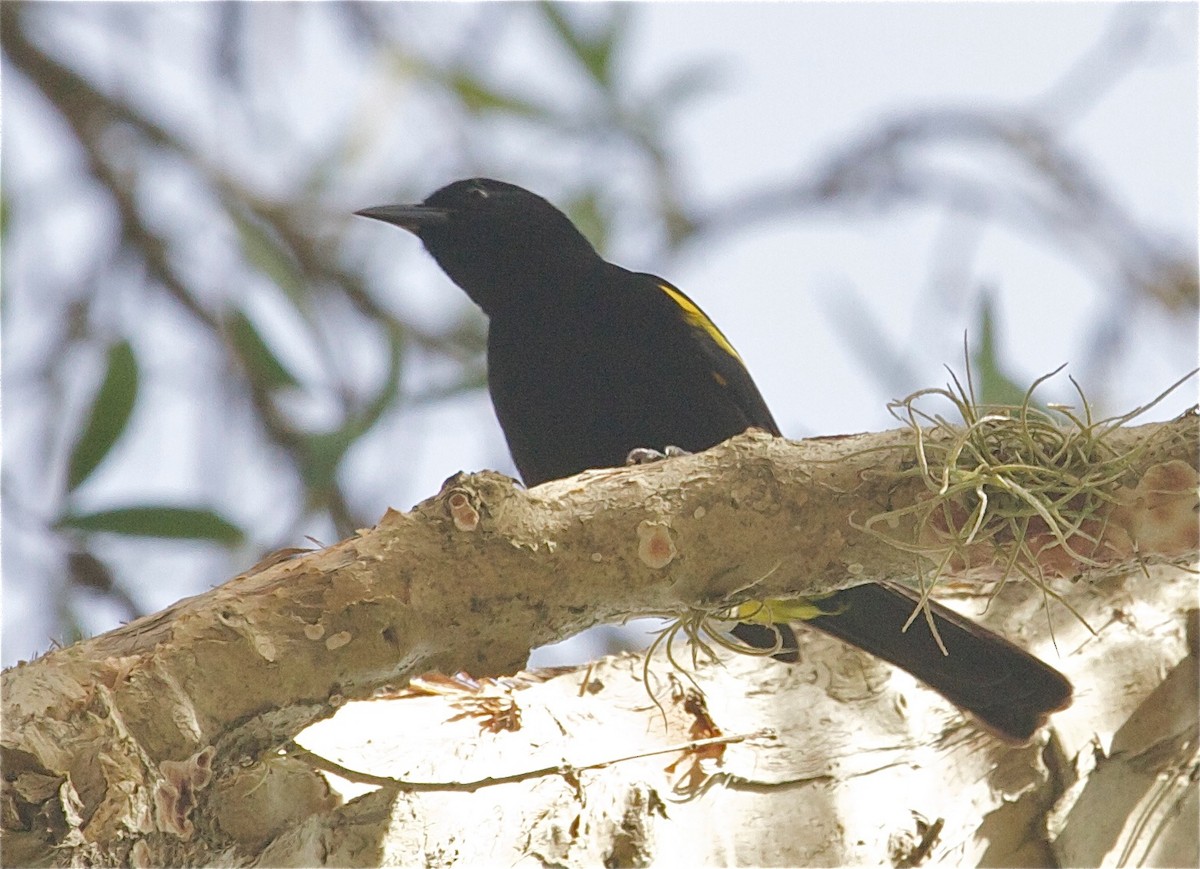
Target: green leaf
{"type": "Point", "coordinates": [263, 250]}
{"type": "Point", "coordinates": [320, 457]}
{"type": "Point", "coordinates": [594, 53]}
{"type": "Point", "coordinates": [261, 363]}
{"type": "Point", "coordinates": [177, 523]}
{"type": "Point", "coordinates": [390, 390]}
{"type": "Point", "coordinates": [477, 97]}
{"type": "Point", "coordinates": [585, 212]}
{"type": "Point", "coordinates": [993, 385]}
{"type": "Point", "coordinates": [323, 452]}
{"type": "Point", "coordinates": [471, 377]}
{"type": "Point", "coordinates": [109, 414]}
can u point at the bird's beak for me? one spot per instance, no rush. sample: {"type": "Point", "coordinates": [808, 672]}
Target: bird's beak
{"type": "Point", "coordinates": [414, 218]}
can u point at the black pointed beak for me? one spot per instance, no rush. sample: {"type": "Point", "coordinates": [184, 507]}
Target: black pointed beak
{"type": "Point", "coordinates": [414, 218]}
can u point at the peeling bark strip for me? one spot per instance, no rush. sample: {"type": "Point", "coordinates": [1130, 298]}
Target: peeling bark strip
{"type": "Point", "coordinates": [126, 744]}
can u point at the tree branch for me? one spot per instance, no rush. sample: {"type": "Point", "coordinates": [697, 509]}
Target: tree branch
{"type": "Point", "coordinates": [472, 579]}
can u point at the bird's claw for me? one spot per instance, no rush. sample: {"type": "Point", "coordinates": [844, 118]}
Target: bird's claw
{"type": "Point", "coordinates": [646, 455]}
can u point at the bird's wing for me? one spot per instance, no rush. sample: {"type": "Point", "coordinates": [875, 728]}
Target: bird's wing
{"type": "Point", "coordinates": [728, 369]}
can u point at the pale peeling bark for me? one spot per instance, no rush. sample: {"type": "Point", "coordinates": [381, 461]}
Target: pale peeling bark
{"type": "Point", "coordinates": [153, 744]}
{"type": "Point", "coordinates": [838, 760]}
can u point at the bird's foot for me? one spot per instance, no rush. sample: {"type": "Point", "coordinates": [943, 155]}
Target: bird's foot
{"type": "Point", "coordinates": [646, 455]}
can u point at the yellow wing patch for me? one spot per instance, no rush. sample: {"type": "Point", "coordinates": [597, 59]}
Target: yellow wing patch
{"type": "Point", "coordinates": [699, 320]}
{"type": "Point", "coordinates": [772, 610]}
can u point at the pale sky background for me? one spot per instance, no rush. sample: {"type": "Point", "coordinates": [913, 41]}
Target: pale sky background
{"type": "Point", "coordinates": [796, 81]}
{"type": "Point", "coordinates": [804, 77]}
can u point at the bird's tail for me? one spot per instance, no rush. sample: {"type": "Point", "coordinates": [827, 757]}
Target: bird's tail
{"type": "Point", "coordinates": [1009, 690]}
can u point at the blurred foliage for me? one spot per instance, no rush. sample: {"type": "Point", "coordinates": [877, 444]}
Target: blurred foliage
{"type": "Point", "coordinates": [108, 416]}
{"type": "Point", "coordinates": [993, 384]}
{"type": "Point", "coordinates": [262, 365]}
{"type": "Point", "coordinates": [219, 265]}
{"type": "Point", "coordinates": [181, 523]}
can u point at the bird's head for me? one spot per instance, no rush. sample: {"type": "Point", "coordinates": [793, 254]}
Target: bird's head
{"type": "Point", "coordinates": [501, 243]}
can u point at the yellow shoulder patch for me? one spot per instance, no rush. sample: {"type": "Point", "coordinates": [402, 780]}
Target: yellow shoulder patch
{"type": "Point", "coordinates": [698, 319]}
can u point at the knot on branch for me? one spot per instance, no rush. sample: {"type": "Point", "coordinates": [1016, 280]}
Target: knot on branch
{"type": "Point", "coordinates": [175, 794]}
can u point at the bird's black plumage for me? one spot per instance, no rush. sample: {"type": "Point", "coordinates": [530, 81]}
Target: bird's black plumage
{"type": "Point", "coordinates": [588, 361]}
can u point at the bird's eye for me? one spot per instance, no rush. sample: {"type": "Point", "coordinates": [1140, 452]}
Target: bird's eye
{"type": "Point", "coordinates": [477, 193]}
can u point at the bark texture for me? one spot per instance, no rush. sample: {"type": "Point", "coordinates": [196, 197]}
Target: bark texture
{"type": "Point", "coordinates": [155, 743]}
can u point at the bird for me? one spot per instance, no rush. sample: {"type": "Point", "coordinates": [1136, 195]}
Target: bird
{"type": "Point", "coordinates": [588, 363]}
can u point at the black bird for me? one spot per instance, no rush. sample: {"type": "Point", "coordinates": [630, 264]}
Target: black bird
{"type": "Point", "coordinates": [588, 361]}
